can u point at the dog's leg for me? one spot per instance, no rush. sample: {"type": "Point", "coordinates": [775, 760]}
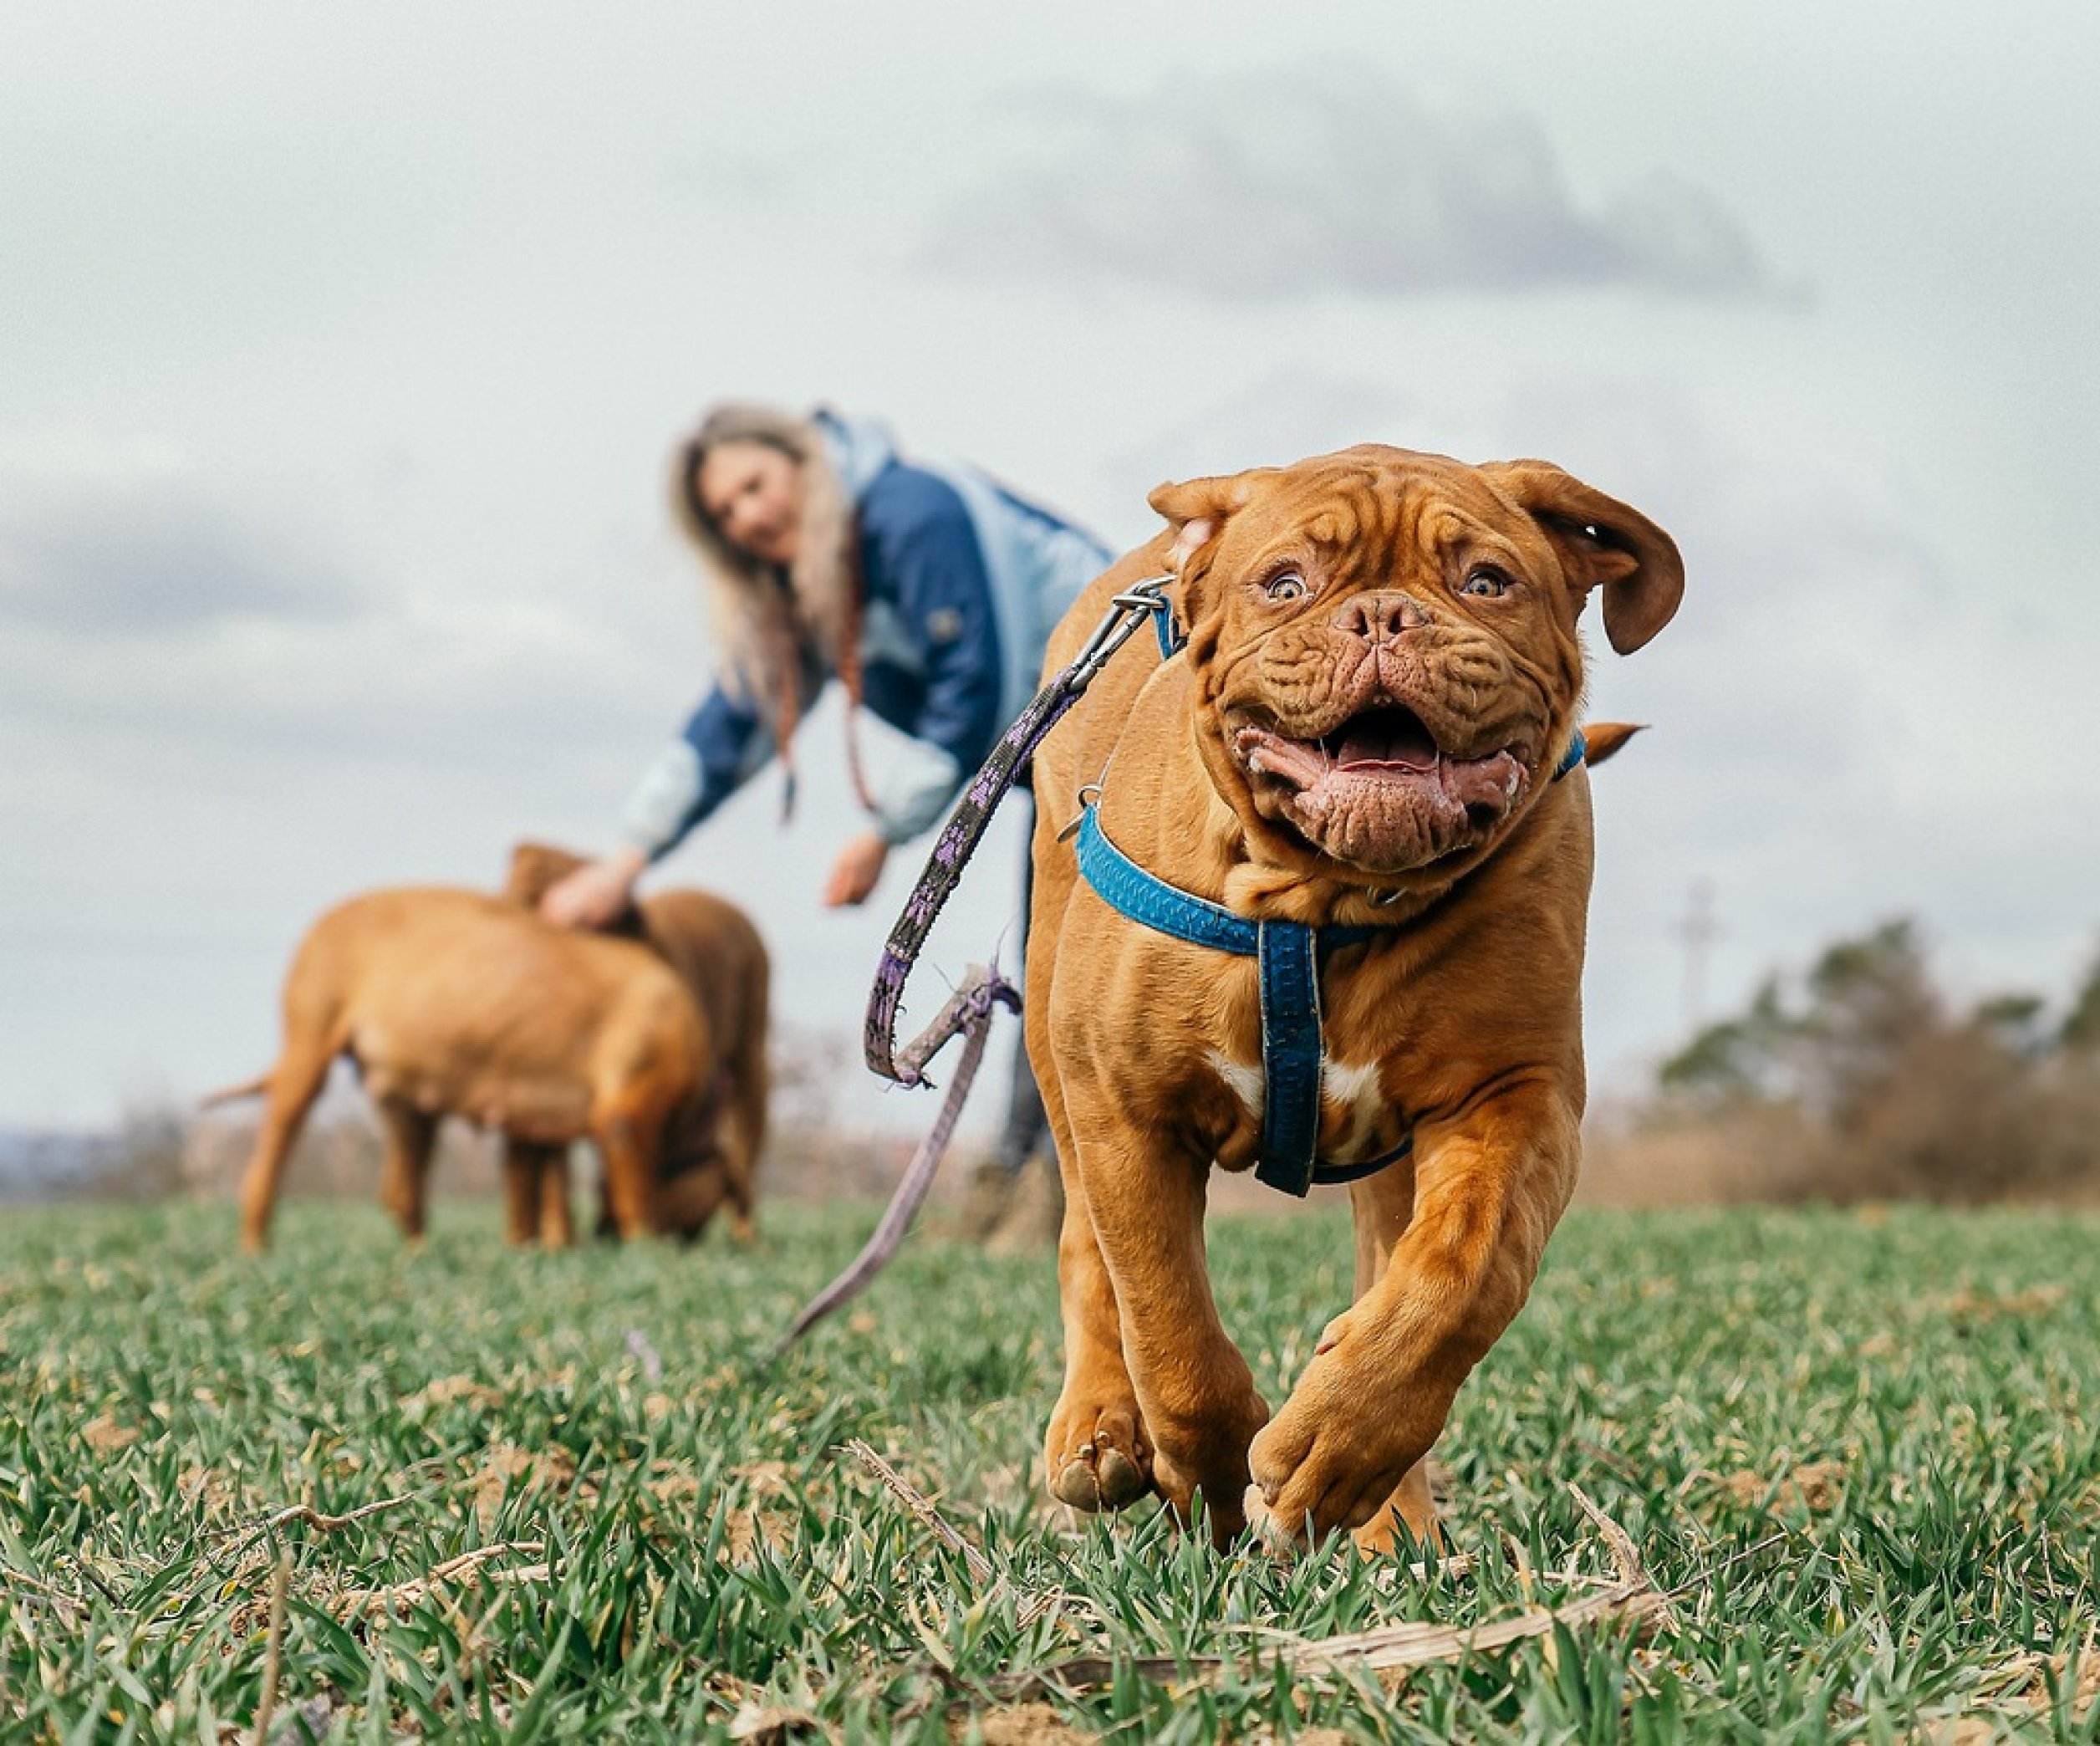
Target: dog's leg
{"type": "Point", "coordinates": [627, 1141]}
{"type": "Point", "coordinates": [1411, 1507]}
{"type": "Point", "coordinates": [294, 1082]}
{"type": "Point", "coordinates": [556, 1222]}
{"type": "Point", "coordinates": [1097, 1452]}
{"type": "Point", "coordinates": [404, 1176]}
{"type": "Point", "coordinates": [603, 1228]}
{"type": "Point", "coordinates": [1194, 1389]}
{"type": "Point", "coordinates": [535, 1195]}
{"type": "Point", "coordinates": [1384, 1206]}
{"type": "Point", "coordinates": [735, 1123]}
{"type": "Point", "coordinates": [1489, 1189]}
{"type": "Point", "coordinates": [742, 1226]}
{"type": "Point", "coordinates": [521, 1191]}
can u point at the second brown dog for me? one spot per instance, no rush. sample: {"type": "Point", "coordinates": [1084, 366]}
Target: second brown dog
{"type": "Point", "coordinates": [451, 1002]}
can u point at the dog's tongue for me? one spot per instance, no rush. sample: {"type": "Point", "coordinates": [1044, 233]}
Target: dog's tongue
{"type": "Point", "coordinates": [1383, 736]}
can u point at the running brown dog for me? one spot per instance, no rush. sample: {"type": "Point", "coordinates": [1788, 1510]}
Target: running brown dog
{"type": "Point", "coordinates": [453, 1001]}
{"type": "Point", "coordinates": [1381, 682]}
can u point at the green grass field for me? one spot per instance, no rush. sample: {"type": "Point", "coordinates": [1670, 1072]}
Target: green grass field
{"type": "Point", "coordinates": [502, 1496]}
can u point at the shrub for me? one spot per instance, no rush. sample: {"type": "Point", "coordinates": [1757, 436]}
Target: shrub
{"type": "Point", "coordinates": [1885, 1088]}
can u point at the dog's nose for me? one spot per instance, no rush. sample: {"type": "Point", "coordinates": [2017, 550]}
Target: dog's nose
{"type": "Point", "coordinates": [1380, 616]}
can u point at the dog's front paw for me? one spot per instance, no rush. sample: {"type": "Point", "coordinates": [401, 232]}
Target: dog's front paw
{"type": "Point", "coordinates": [1268, 1530]}
{"type": "Point", "coordinates": [1098, 1456]}
{"type": "Point", "coordinates": [1345, 1452]}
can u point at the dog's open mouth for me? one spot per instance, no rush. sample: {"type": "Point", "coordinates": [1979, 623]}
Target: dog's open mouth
{"type": "Point", "coordinates": [1382, 739]}
{"type": "Point", "coordinates": [1378, 789]}
{"type": "Point", "coordinates": [1388, 740]}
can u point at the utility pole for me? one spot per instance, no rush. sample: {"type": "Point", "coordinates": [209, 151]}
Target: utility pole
{"type": "Point", "coordinates": [1697, 928]}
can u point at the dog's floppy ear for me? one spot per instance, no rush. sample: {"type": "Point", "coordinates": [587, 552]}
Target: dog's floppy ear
{"type": "Point", "coordinates": [534, 867]}
{"type": "Point", "coordinates": [1602, 543]}
{"type": "Point", "coordinates": [537, 867]}
{"type": "Point", "coordinates": [1198, 509]}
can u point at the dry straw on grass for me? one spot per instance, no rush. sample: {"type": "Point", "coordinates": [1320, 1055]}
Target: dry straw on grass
{"type": "Point", "coordinates": [1630, 1601]}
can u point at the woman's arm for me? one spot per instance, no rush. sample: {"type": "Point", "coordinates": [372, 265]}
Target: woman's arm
{"type": "Point", "coordinates": [720, 746]}
{"type": "Point", "coordinates": [596, 892]}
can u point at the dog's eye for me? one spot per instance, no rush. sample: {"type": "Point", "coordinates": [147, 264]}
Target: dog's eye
{"type": "Point", "coordinates": [1483, 584]}
{"type": "Point", "coordinates": [1287, 585]}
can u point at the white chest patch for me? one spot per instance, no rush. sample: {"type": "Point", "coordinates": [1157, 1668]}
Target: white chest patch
{"type": "Point", "coordinates": [1247, 1082]}
{"type": "Point", "coordinates": [1355, 1088]}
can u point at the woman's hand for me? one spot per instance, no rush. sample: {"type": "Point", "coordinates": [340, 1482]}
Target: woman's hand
{"type": "Point", "coordinates": [854, 873]}
{"type": "Point", "coordinates": [596, 892]}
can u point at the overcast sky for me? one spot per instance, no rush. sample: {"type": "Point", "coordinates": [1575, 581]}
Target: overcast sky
{"type": "Point", "coordinates": [343, 346]}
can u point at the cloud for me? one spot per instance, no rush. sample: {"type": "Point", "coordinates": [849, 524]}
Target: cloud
{"type": "Point", "coordinates": [1260, 191]}
{"type": "Point", "coordinates": [149, 550]}
{"type": "Point", "coordinates": [428, 689]}
{"type": "Point", "coordinates": [152, 613]}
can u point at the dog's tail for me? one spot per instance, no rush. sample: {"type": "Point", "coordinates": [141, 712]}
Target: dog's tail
{"type": "Point", "coordinates": [1601, 739]}
{"type": "Point", "coordinates": [234, 1093]}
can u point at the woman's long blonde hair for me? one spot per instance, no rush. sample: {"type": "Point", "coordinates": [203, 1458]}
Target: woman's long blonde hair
{"type": "Point", "coordinates": [771, 620]}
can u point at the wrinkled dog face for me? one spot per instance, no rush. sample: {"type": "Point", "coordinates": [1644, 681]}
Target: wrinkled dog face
{"type": "Point", "coordinates": [1393, 664]}
{"type": "Point", "coordinates": [1385, 642]}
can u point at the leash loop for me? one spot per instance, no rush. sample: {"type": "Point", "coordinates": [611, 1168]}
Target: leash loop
{"type": "Point", "coordinates": [968, 1011]}
{"type": "Point", "coordinates": [960, 836]}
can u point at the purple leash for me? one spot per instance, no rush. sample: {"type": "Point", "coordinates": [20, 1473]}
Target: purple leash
{"type": "Point", "coordinates": [970, 1009]}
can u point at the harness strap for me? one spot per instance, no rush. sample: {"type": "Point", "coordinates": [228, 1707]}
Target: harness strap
{"type": "Point", "coordinates": [1294, 1051]}
{"type": "Point", "coordinates": [1288, 957]}
{"type": "Point", "coordinates": [1167, 909]}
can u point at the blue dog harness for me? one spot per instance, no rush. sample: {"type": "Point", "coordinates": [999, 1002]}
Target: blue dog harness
{"type": "Point", "coordinates": [1289, 956]}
